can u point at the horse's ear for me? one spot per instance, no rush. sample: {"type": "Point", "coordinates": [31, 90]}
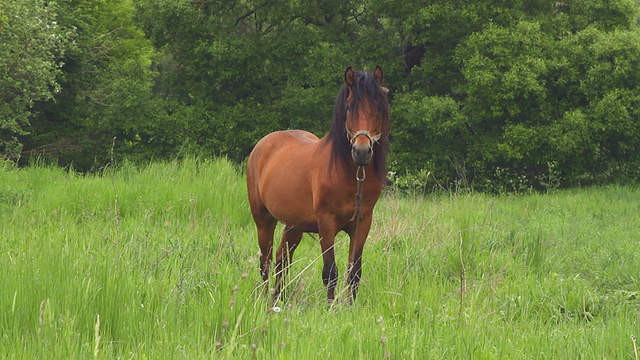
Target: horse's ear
{"type": "Point", "coordinates": [378, 74]}
{"type": "Point", "coordinates": [349, 76]}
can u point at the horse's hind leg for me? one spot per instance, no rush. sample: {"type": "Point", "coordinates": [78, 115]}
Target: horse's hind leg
{"type": "Point", "coordinates": [266, 225]}
{"type": "Point", "coordinates": [284, 256]}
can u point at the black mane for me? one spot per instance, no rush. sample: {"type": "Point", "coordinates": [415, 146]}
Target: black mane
{"type": "Point", "coordinates": [364, 86]}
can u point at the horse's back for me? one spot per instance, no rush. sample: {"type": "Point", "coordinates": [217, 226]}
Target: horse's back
{"type": "Point", "coordinates": [279, 173]}
{"type": "Point", "coordinates": [279, 144]}
{"type": "Point", "coordinates": [285, 138]}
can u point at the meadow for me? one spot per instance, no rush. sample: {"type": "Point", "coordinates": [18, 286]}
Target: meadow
{"type": "Point", "coordinates": [161, 262]}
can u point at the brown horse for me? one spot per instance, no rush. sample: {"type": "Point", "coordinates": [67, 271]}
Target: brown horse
{"type": "Point", "coordinates": [309, 183]}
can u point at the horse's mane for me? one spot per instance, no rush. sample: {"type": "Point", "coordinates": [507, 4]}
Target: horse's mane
{"type": "Point", "coordinates": [364, 86]}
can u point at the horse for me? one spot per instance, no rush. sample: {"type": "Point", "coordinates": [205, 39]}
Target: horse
{"type": "Point", "coordinates": [309, 183]}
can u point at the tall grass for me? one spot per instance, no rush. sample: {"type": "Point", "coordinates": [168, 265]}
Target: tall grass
{"type": "Point", "coordinates": [160, 261]}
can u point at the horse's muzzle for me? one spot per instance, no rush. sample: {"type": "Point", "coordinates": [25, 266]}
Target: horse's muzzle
{"type": "Point", "coordinates": [361, 154]}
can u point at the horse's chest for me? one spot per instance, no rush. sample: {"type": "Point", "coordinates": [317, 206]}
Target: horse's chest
{"type": "Point", "coordinates": [341, 201]}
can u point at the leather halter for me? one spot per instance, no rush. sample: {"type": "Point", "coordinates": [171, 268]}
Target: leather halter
{"type": "Point", "coordinates": [352, 137]}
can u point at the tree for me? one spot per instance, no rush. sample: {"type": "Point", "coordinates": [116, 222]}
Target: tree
{"type": "Point", "coordinates": [105, 91]}
{"type": "Point", "coordinates": [31, 46]}
{"type": "Point", "coordinates": [542, 91]}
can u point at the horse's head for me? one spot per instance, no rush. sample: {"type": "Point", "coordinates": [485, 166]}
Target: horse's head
{"type": "Point", "coordinates": [366, 119]}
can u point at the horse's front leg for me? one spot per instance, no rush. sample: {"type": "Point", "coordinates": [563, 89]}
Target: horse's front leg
{"type": "Point", "coordinates": [358, 236]}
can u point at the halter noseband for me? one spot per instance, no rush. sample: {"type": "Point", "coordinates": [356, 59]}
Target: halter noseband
{"type": "Point", "coordinates": [352, 137]}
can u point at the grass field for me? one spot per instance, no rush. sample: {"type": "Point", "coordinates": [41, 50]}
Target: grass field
{"type": "Point", "coordinates": [160, 262]}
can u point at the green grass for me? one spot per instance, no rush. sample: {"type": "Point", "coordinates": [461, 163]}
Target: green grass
{"type": "Point", "coordinates": [161, 262]}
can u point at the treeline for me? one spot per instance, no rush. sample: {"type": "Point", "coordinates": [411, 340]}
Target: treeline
{"type": "Point", "coordinates": [495, 95]}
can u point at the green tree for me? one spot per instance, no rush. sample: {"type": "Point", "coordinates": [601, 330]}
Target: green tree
{"type": "Point", "coordinates": [505, 99]}
{"type": "Point", "coordinates": [105, 91]}
{"type": "Point", "coordinates": [31, 47]}
{"type": "Point", "coordinates": [542, 90]}
{"type": "Point", "coordinates": [595, 135]}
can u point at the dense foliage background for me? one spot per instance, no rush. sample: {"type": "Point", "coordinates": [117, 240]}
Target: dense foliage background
{"type": "Point", "coordinates": [495, 95]}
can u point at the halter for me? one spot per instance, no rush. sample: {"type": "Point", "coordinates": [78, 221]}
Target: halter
{"type": "Point", "coordinates": [352, 137]}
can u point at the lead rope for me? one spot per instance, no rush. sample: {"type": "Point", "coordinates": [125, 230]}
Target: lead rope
{"type": "Point", "coordinates": [360, 176]}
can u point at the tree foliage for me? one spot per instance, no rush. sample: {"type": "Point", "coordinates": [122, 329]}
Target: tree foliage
{"type": "Point", "coordinates": [104, 90]}
{"type": "Point", "coordinates": [494, 95]}
{"type": "Point", "coordinates": [532, 82]}
{"type": "Point", "coordinates": [31, 46]}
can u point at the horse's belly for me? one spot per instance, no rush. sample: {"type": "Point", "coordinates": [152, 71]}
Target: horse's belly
{"type": "Point", "coordinates": [285, 180]}
{"type": "Point", "coordinates": [290, 202]}
{"type": "Point", "coordinates": [293, 215]}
